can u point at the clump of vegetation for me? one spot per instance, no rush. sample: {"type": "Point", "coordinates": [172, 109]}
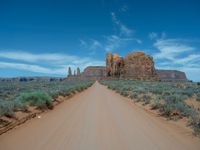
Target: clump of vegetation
{"type": "Point", "coordinates": [146, 99]}
{"type": "Point", "coordinates": [198, 96]}
{"type": "Point", "coordinates": [174, 106]}
{"type": "Point", "coordinates": [8, 108]}
{"type": "Point", "coordinates": [195, 122]}
{"type": "Point", "coordinates": [17, 96]}
{"type": "Point", "coordinates": [39, 99]}
{"type": "Point", "coordinates": [167, 97]}
{"type": "Point", "coordinates": [156, 102]}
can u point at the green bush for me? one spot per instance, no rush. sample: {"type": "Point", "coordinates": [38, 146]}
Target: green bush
{"type": "Point", "coordinates": [198, 97]}
{"type": "Point", "coordinates": [18, 105]}
{"type": "Point", "coordinates": [195, 121]}
{"type": "Point", "coordinates": [146, 99]}
{"type": "Point", "coordinates": [7, 108]}
{"type": "Point", "coordinates": [40, 99]}
{"type": "Point", "coordinates": [134, 95]}
{"type": "Point", "coordinates": [173, 103]}
{"type": "Point", "coordinates": [17, 95]}
{"type": "Point", "coordinates": [156, 102]}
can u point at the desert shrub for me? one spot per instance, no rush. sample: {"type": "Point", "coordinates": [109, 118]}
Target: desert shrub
{"type": "Point", "coordinates": [174, 104]}
{"type": "Point", "coordinates": [198, 96]}
{"type": "Point", "coordinates": [18, 105]}
{"type": "Point", "coordinates": [40, 99]}
{"type": "Point", "coordinates": [123, 92]}
{"type": "Point", "coordinates": [195, 121]}
{"type": "Point", "coordinates": [15, 96]}
{"type": "Point", "coordinates": [189, 92]}
{"type": "Point", "coordinates": [134, 95]}
{"type": "Point", "coordinates": [166, 93]}
{"type": "Point", "coordinates": [7, 108]}
{"type": "Point", "coordinates": [156, 102]}
{"type": "Point", "coordinates": [146, 99]}
{"type": "Point", "coordinates": [156, 90]}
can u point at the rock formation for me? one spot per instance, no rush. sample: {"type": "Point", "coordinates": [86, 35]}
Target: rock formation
{"type": "Point", "coordinates": [171, 75]}
{"type": "Point", "coordinates": [78, 71]}
{"type": "Point", "coordinates": [94, 73]}
{"type": "Point", "coordinates": [69, 71]}
{"type": "Point", "coordinates": [137, 66]}
{"type": "Point", "coordinates": [114, 65]}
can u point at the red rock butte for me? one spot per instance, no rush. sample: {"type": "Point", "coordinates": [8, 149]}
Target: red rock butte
{"type": "Point", "coordinates": [136, 66]}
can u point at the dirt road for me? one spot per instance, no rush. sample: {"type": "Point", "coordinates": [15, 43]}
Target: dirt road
{"type": "Point", "coordinates": [98, 119]}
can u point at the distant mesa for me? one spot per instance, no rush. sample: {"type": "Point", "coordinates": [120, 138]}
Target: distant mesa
{"type": "Point", "coordinates": [171, 75]}
{"type": "Point", "coordinates": [136, 66]}
{"type": "Point", "coordinates": [89, 73]}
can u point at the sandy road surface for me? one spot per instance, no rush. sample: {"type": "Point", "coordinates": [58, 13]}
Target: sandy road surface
{"type": "Point", "coordinates": [98, 119]}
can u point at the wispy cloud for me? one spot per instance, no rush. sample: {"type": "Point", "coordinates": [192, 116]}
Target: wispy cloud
{"type": "Point", "coordinates": [33, 68]}
{"type": "Point", "coordinates": [95, 44]}
{"type": "Point", "coordinates": [153, 35]}
{"type": "Point", "coordinates": [124, 30]}
{"type": "Point", "coordinates": [91, 45]}
{"type": "Point", "coordinates": [83, 43]}
{"type": "Point", "coordinates": [171, 48]}
{"type": "Point", "coordinates": [178, 54]}
{"type": "Point", "coordinates": [124, 8]}
{"type": "Point", "coordinates": [115, 41]}
{"type": "Point", "coordinates": [47, 63]}
{"type": "Point", "coordinates": [123, 36]}
{"type": "Point", "coordinates": [30, 57]}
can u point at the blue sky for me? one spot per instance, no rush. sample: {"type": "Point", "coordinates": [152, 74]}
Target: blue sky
{"type": "Point", "coordinates": [43, 38]}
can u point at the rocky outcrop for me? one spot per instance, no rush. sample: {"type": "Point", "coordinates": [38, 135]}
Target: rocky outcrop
{"type": "Point", "coordinates": [114, 65]}
{"type": "Point", "coordinates": [137, 66]}
{"type": "Point", "coordinates": [78, 71]}
{"type": "Point", "coordinates": [69, 71]}
{"type": "Point", "coordinates": [89, 73]}
{"type": "Point", "coordinates": [171, 75]}
{"type": "Point", "coordinates": [94, 73]}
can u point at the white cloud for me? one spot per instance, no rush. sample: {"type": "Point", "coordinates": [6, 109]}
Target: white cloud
{"type": "Point", "coordinates": [30, 57]}
{"type": "Point", "coordinates": [95, 44]}
{"type": "Point", "coordinates": [55, 63]}
{"type": "Point", "coordinates": [33, 68]}
{"type": "Point", "coordinates": [138, 41]}
{"type": "Point", "coordinates": [92, 45]}
{"type": "Point", "coordinates": [171, 48]}
{"type": "Point", "coordinates": [178, 54]}
{"type": "Point", "coordinates": [124, 8]}
{"type": "Point", "coordinates": [191, 59]}
{"type": "Point", "coordinates": [156, 36]}
{"type": "Point", "coordinates": [83, 43]}
{"type": "Point", "coordinates": [123, 37]}
{"type": "Point", "coordinates": [124, 30]}
{"type": "Point", "coordinates": [115, 41]}
{"type": "Point", "coordinates": [153, 35]}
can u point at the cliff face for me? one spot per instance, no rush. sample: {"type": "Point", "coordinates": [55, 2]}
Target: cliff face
{"type": "Point", "coordinates": [171, 75]}
{"type": "Point", "coordinates": [94, 73]}
{"type": "Point", "coordinates": [114, 65]}
{"type": "Point", "coordinates": [136, 66]}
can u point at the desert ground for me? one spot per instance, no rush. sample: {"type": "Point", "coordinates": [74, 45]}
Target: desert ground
{"type": "Point", "coordinates": [99, 118]}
